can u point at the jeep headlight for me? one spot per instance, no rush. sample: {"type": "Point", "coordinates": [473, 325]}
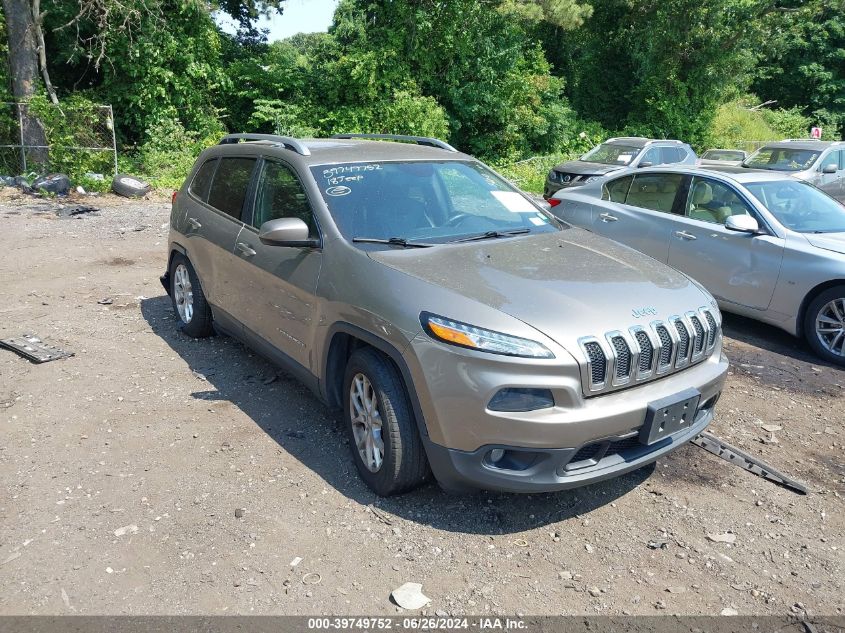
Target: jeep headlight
{"type": "Point", "coordinates": [469, 336]}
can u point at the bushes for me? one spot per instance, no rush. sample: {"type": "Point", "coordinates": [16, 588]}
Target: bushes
{"type": "Point", "coordinates": [169, 152]}
{"type": "Point", "coordinates": [734, 125]}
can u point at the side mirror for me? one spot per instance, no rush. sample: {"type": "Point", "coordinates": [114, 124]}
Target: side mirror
{"type": "Point", "coordinates": [646, 163]}
{"type": "Point", "coordinates": [742, 224]}
{"type": "Point", "coordinates": [285, 232]}
{"type": "Point", "coordinates": [830, 168]}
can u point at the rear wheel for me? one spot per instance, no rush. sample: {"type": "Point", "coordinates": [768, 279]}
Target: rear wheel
{"type": "Point", "coordinates": [188, 299]}
{"type": "Point", "coordinates": [383, 437]}
{"type": "Point", "coordinates": [824, 325]}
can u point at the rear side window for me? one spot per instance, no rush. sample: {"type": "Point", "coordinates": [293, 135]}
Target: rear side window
{"type": "Point", "coordinates": [617, 190]}
{"type": "Point", "coordinates": [202, 181]}
{"type": "Point", "coordinates": [654, 191]}
{"type": "Point", "coordinates": [228, 191]}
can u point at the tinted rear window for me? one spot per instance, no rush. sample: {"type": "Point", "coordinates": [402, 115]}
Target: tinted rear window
{"type": "Point", "coordinates": [202, 181]}
{"type": "Point", "coordinates": [228, 191]}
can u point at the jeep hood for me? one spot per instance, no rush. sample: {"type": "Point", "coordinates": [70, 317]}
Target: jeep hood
{"type": "Point", "coordinates": [567, 284]}
{"type": "Point", "coordinates": [586, 167]}
{"type": "Point", "coordinates": [828, 241]}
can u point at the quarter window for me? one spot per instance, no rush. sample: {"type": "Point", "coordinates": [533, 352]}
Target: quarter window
{"type": "Point", "coordinates": [617, 190]}
{"type": "Point", "coordinates": [654, 191]}
{"type": "Point", "coordinates": [231, 182]}
{"type": "Point", "coordinates": [202, 181]}
{"type": "Point", "coordinates": [280, 195]}
{"type": "Point", "coordinates": [713, 201]}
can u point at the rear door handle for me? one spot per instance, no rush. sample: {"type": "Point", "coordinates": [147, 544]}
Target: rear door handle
{"type": "Point", "coordinates": [606, 217]}
{"type": "Point", "coordinates": [685, 236]}
{"type": "Point", "coordinates": [245, 249]}
{"type": "Point", "coordinates": [194, 224]}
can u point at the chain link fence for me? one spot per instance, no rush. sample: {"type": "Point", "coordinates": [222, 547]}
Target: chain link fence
{"type": "Point", "coordinates": [74, 138]}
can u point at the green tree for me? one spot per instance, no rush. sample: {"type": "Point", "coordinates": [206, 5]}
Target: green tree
{"type": "Point", "coordinates": [803, 62]}
{"type": "Point", "coordinates": [660, 67]}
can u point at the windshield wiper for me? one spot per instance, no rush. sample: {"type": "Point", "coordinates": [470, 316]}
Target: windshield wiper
{"type": "Point", "coordinates": [489, 235]}
{"type": "Point", "coordinates": [393, 241]}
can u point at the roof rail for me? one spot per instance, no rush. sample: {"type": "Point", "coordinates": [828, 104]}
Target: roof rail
{"type": "Point", "coordinates": [290, 143]}
{"type": "Point", "coordinates": [419, 140]}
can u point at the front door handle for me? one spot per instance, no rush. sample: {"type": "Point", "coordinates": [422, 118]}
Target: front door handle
{"type": "Point", "coordinates": [685, 236]}
{"type": "Point", "coordinates": [194, 224]}
{"type": "Point", "coordinates": [606, 217]}
{"type": "Point", "coordinates": [245, 249]}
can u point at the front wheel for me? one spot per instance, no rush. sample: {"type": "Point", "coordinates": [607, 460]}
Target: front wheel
{"type": "Point", "coordinates": [824, 325]}
{"type": "Point", "coordinates": [383, 436]}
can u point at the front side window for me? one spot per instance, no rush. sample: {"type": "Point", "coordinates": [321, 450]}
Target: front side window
{"type": "Point", "coordinates": [654, 191]}
{"type": "Point", "coordinates": [280, 195]}
{"type": "Point", "coordinates": [782, 159]}
{"type": "Point", "coordinates": [425, 201]}
{"type": "Point", "coordinates": [231, 182]}
{"type": "Point", "coordinates": [800, 206]}
{"type": "Point", "coordinates": [712, 201]}
{"type": "Point", "coordinates": [202, 180]}
{"type": "Point", "coordinates": [611, 154]}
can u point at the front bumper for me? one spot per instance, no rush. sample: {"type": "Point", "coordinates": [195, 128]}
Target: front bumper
{"type": "Point", "coordinates": [460, 430]}
{"type": "Point", "coordinates": [550, 470]}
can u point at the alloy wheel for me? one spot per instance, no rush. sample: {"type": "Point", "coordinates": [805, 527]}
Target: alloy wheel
{"type": "Point", "coordinates": [366, 422]}
{"type": "Point", "coordinates": [183, 293]}
{"type": "Point", "coordinates": [830, 326]}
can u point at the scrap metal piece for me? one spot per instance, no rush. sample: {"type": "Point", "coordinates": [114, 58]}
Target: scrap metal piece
{"type": "Point", "coordinates": [33, 348]}
{"type": "Point", "coordinates": [713, 444]}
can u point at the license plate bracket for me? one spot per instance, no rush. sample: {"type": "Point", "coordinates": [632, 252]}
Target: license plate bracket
{"type": "Point", "coordinates": [669, 415]}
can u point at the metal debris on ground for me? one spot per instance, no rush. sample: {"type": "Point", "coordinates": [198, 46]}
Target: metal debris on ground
{"type": "Point", "coordinates": [33, 348]}
{"type": "Point", "coordinates": [731, 454]}
{"type": "Point", "coordinates": [79, 209]}
{"type": "Point", "coordinates": [106, 301]}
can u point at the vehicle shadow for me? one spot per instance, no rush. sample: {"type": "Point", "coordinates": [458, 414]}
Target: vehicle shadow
{"type": "Point", "coordinates": [777, 358]}
{"type": "Point", "coordinates": [309, 431]}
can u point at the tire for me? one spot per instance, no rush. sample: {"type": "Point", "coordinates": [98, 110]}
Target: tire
{"type": "Point", "coordinates": [196, 321]}
{"type": "Point", "coordinates": [403, 465]}
{"type": "Point", "coordinates": [830, 307]}
{"type": "Point", "coordinates": [129, 186]}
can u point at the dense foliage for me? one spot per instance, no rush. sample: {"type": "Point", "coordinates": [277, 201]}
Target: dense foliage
{"type": "Point", "coordinates": [507, 80]}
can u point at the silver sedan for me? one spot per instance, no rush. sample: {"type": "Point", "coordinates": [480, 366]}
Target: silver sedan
{"type": "Point", "coordinates": [766, 245]}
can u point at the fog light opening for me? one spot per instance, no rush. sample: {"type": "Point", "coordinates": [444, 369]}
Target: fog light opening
{"type": "Point", "coordinates": [519, 399]}
{"type": "Point", "coordinates": [496, 455]}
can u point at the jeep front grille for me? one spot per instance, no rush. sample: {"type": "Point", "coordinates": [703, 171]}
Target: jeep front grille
{"type": "Point", "coordinates": [646, 351]}
{"type": "Point", "coordinates": [597, 362]}
{"type": "Point", "coordinates": [667, 346]}
{"type": "Point", "coordinates": [642, 353]}
{"type": "Point", "coordinates": [623, 357]}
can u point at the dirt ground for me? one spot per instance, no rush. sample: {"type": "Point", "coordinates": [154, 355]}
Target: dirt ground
{"type": "Point", "coordinates": [154, 474]}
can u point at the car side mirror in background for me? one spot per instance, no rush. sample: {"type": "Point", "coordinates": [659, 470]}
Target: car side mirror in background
{"type": "Point", "coordinates": [742, 224]}
{"type": "Point", "coordinates": [830, 168]}
{"type": "Point", "coordinates": [645, 163]}
{"type": "Point", "coordinates": [285, 232]}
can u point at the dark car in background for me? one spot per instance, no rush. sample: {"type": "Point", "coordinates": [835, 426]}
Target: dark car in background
{"type": "Point", "coordinates": [615, 154]}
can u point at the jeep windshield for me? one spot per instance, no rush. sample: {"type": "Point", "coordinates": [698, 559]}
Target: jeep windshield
{"type": "Point", "coordinates": [611, 154]}
{"type": "Point", "coordinates": [800, 206]}
{"type": "Point", "coordinates": [782, 159]}
{"type": "Point", "coordinates": [426, 202]}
